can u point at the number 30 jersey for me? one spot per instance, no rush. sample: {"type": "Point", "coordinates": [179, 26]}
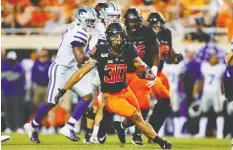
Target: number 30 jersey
{"type": "Point", "coordinates": [212, 76]}
{"type": "Point", "coordinates": [112, 68]}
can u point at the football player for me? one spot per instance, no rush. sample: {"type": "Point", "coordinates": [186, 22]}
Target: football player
{"type": "Point", "coordinates": [107, 13]}
{"type": "Point", "coordinates": [144, 38]}
{"type": "Point", "coordinates": [112, 61]}
{"type": "Point", "coordinates": [211, 83]}
{"type": "Point", "coordinates": [161, 89]}
{"type": "Point", "coordinates": [73, 50]}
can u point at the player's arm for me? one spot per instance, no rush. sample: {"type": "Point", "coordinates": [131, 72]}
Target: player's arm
{"type": "Point", "coordinates": [198, 85]}
{"type": "Point", "coordinates": [76, 77]}
{"type": "Point", "coordinates": [144, 71]}
{"type": "Point", "coordinates": [80, 55]}
{"type": "Point", "coordinates": [78, 42]}
{"type": "Point", "coordinates": [166, 50]}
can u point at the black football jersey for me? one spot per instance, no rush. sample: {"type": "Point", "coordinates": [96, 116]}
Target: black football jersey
{"type": "Point", "coordinates": [112, 68]}
{"type": "Point", "coordinates": [145, 41]}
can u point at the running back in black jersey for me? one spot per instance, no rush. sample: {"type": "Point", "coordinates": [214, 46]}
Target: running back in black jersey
{"type": "Point", "coordinates": [112, 68]}
{"type": "Point", "coordinates": [145, 41]}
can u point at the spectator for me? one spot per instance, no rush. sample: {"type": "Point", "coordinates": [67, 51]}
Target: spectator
{"type": "Point", "coordinates": [40, 77]}
{"type": "Point", "coordinates": [54, 22]}
{"type": "Point", "coordinates": [39, 17]}
{"type": "Point", "coordinates": [191, 73]}
{"type": "Point", "coordinates": [13, 91]}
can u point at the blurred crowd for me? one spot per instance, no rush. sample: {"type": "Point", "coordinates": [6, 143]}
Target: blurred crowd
{"type": "Point", "coordinates": [52, 13]}
{"type": "Point", "coordinates": [24, 88]}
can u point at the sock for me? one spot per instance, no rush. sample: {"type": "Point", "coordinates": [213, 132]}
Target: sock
{"type": "Point", "coordinates": [202, 125]}
{"type": "Point", "coordinates": [220, 125]}
{"type": "Point", "coordinates": [88, 133]}
{"type": "Point", "coordinates": [42, 111]}
{"type": "Point", "coordinates": [95, 130]}
{"type": "Point", "coordinates": [162, 130]}
{"type": "Point", "coordinates": [72, 122]}
{"type": "Point", "coordinates": [79, 109]}
{"type": "Point", "coordinates": [160, 112]}
{"type": "Point", "coordinates": [176, 126]}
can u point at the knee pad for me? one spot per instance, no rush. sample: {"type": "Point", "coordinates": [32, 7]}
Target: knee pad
{"type": "Point", "coordinates": [90, 113]}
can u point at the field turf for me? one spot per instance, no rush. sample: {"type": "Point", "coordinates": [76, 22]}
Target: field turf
{"type": "Point", "coordinates": [58, 142]}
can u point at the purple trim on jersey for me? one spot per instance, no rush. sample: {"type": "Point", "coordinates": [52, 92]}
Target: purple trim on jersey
{"type": "Point", "coordinates": [50, 74]}
{"type": "Point", "coordinates": [82, 34]}
{"type": "Point", "coordinates": [76, 44]}
{"type": "Point", "coordinates": [55, 75]}
{"type": "Point", "coordinates": [84, 40]}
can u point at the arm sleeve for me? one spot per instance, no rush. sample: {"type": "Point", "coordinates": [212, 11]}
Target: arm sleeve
{"type": "Point", "coordinates": [79, 39]}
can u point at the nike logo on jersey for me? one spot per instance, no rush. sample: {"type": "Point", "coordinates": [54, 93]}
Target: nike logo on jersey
{"type": "Point", "coordinates": [104, 54]}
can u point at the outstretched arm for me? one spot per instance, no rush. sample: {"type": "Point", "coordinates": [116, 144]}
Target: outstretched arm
{"type": "Point", "coordinates": [79, 74]}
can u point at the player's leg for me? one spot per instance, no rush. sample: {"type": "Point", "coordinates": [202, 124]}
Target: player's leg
{"type": "Point", "coordinates": [57, 80]}
{"type": "Point", "coordinates": [90, 121]}
{"type": "Point", "coordinates": [205, 105]}
{"type": "Point", "coordinates": [177, 120]}
{"type": "Point", "coordinates": [218, 108]}
{"type": "Point", "coordinates": [142, 92]}
{"type": "Point", "coordinates": [84, 89]}
{"type": "Point", "coordinates": [126, 105]}
{"type": "Point", "coordinates": [162, 108]}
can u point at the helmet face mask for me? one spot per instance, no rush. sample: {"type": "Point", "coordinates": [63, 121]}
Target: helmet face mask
{"type": "Point", "coordinates": [115, 36]}
{"type": "Point", "coordinates": [116, 40]}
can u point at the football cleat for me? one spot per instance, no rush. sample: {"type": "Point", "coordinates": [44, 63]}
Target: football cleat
{"type": "Point", "coordinates": [32, 133]}
{"type": "Point", "coordinates": [120, 132]}
{"type": "Point", "coordinates": [4, 138]}
{"type": "Point", "coordinates": [68, 132]}
{"type": "Point", "coordinates": [94, 139]}
{"type": "Point", "coordinates": [166, 145]}
{"type": "Point", "coordinates": [102, 139]}
{"type": "Point", "coordinates": [137, 140]}
{"type": "Point", "coordinates": [87, 138]}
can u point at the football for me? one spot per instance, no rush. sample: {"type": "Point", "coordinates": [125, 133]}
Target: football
{"type": "Point", "coordinates": [145, 72]}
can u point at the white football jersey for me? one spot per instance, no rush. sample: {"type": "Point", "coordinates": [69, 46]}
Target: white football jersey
{"type": "Point", "coordinates": [212, 76]}
{"type": "Point", "coordinates": [173, 72]}
{"type": "Point", "coordinates": [74, 34]}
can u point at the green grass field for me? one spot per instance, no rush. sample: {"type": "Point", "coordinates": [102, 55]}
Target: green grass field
{"type": "Point", "coordinates": [58, 142]}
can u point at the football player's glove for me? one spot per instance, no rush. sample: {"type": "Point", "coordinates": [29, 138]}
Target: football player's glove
{"type": "Point", "coordinates": [59, 94]}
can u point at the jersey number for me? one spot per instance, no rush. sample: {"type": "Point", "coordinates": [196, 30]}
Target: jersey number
{"type": "Point", "coordinates": [116, 72]}
{"type": "Point", "coordinates": [141, 50]}
{"type": "Point", "coordinates": [211, 78]}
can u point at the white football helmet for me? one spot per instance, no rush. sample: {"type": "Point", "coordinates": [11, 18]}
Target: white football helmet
{"type": "Point", "coordinates": [86, 16]}
{"type": "Point", "coordinates": [111, 13]}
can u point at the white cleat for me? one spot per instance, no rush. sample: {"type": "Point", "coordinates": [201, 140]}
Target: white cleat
{"type": "Point", "coordinates": [29, 129]}
{"type": "Point", "coordinates": [4, 138]}
{"type": "Point", "coordinates": [32, 133]}
{"type": "Point", "coordinates": [94, 139]}
{"type": "Point", "coordinates": [68, 132]}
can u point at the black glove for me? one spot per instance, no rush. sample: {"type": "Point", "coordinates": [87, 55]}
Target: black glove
{"type": "Point", "coordinates": [59, 95]}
